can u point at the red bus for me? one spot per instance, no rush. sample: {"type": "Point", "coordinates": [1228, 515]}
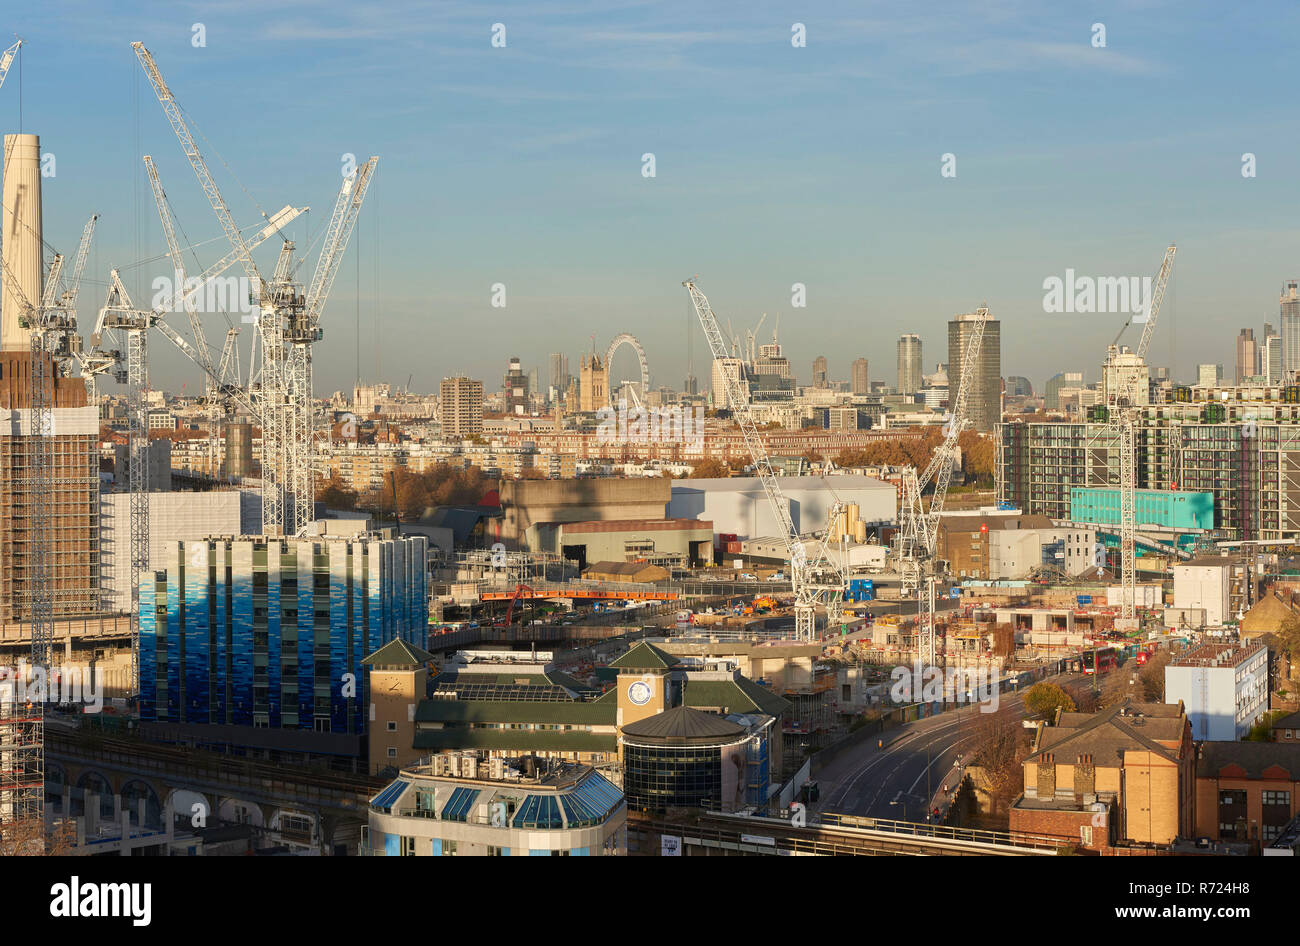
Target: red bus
{"type": "Point", "coordinates": [1104, 659]}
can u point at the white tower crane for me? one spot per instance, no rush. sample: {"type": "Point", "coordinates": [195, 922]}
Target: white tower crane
{"type": "Point", "coordinates": [1122, 413]}
{"type": "Point", "coordinates": [817, 579]}
{"type": "Point", "coordinates": [919, 526]}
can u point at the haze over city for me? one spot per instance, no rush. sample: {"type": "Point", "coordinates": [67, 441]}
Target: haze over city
{"type": "Point", "coordinates": [821, 165]}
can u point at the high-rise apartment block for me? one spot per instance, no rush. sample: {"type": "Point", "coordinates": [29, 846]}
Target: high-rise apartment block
{"type": "Point", "coordinates": [909, 364]}
{"type": "Point", "coordinates": [984, 401]}
{"type": "Point", "coordinates": [1289, 306]}
{"type": "Point", "coordinates": [860, 383]}
{"type": "Point", "coordinates": [460, 408]}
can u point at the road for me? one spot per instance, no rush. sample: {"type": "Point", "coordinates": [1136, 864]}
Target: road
{"type": "Point", "coordinates": [891, 782]}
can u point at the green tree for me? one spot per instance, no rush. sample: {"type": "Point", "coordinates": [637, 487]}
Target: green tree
{"type": "Point", "coordinates": [1042, 700]}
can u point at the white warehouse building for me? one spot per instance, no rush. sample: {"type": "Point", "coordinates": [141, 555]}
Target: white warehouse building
{"type": "Point", "coordinates": [738, 506]}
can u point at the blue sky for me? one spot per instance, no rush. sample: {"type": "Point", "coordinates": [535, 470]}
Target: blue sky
{"type": "Point", "coordinates": [774, 165]}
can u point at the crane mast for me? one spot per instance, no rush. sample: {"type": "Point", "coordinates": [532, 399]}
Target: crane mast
{"type": "Point", "coordinates": [1122, 416]}
{"type": "Point", "coordinates": [815, 580]}
{"type": "Point", "coordinates": [918, 535]}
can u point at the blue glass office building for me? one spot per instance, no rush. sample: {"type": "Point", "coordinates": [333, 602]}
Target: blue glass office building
{"type": "Point", "coordinates": [270, 632]}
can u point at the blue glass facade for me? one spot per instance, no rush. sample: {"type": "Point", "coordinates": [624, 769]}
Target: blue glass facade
{"type": "Point", "coordinates": [258, 632]}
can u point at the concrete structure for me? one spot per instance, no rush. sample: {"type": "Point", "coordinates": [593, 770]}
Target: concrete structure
{"type": "Point", "coordinates": [820, 373]}
{"type": "Point", "coordinates": [1057, 382]}
{"type": "Point", "coordinates": [1223, 686]}
{"type": "Point", "coordinates": [457, 805]}
{"type": "Point", "coordinates": [1209, 376]}
{"type": "Point", "coordinates": [722, 369]}
{"type": "Point", "coordinates": [239, 635]}
{"type": "Point", "coordinates": [984, 407]}
{"type": "Point", "coordinates": [172, 517]}
{"type": "Point", "coordinates": [528, 504]}
{"type": "Point", "coordinates": [738, 505]}
{"type": "Point", "coordinates": [1126, 371]}
{"type": "Point", "coordinates": [909, 364]}
{"type": "Point", "coordinates": [460, 408]}
{"type": "Point", "coordinates": [21, 242]}
{"type": "Point", "coordinates": [1204, 583]}
{"type": "Point", "coordinates": [678, 541]}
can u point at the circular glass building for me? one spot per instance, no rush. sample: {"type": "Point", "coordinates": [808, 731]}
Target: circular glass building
{"type": "Point", "coordinates": [683, 757]}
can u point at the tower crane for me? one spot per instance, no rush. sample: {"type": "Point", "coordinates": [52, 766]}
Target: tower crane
{"type": "Point", "coordinates": [288, 324]}
{"type": "Point", "coordinates": [1121, 421]}
{"type": "Point", "coordinates": [7, 60]}
{"type": "Point", "coordinates": [817, 579]}
{"type": "Point", "coordinates": [918, 534]}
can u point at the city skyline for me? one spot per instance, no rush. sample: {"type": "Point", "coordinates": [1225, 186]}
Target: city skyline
{"type": "Point", "coordinates": [477, 185]}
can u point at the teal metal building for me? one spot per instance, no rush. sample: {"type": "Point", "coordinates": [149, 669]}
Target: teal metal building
{"type": "Point", "coordinates": [1172, 509]}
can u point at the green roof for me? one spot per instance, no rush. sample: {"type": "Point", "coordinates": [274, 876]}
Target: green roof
{"type": "Point", "coordinates": [574, 712]}
{"type": "Point", "coordinates": [462, 738]}
{"type": "Point", "coordinates": [645, 657]}
{"type": "Point", "coordinates": [741, 695]}
{"type": "Point", "coordinates": [398, 653]}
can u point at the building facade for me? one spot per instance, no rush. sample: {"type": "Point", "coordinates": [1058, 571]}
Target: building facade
{"type": "Point", "coordinates": [1244, 450]}
{"type": "Point", "coordinates": [461, 805]}
{"type": "Point", "coordinates": [984, 402]}
{"type": "Point", "coordinates": [909, 364]}
{"type": "Point", "coordinates": [271, 633]}
{"type": "Point", "coordinates": [1223, 686]}
{"type": "Point", "coordinates": [460, 408]}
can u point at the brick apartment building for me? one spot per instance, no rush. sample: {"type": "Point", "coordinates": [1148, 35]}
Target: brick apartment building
{"type": "Point", "coordinates": [1123, 777]}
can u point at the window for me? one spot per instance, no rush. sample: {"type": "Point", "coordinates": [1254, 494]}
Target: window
{"type": "Point", "coordinates": [495, 851]}
{"type": "Point", "coordinates": [408, 847]}
{"type": "Point", "coordinates": [392, 726]}
{"type": "Point", "coordinates": [449, 848]}
{"type": "Point", "coordinates": [1277, 798]}
{"type": "Point", "coordinates": [392, 752]}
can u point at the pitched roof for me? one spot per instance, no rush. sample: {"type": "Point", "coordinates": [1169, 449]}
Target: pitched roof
{"type": "Point", "coordinates": [1276, 760]}
{"type": "Point", "coordinates": [398, 653]}
{"type": "Point", "coordinates": [682, 725]}
{"type": "Point", "coordinates": [1107, 735]}
{"type": "Point", "coordinates": [1286, 722]}
{"type": "Point", "coordinates": [1268, 614]}
{"type": "Point", "coordinates": [740, 695]}
{"type": "Point", "coordinates": [645, 656]}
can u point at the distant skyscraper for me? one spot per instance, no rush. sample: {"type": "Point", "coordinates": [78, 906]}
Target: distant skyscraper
{"type": "Point", "coordinates": [860, 383]}
{"type": "Point", "coordinates": [722, 367]}
{"type": "Point", "coordinates": [559, 365]}
{"type": "Point", "coordinates": [1247, 355]}
{"type": "Point", "coordinates": [1209, 376]}
{"type": "Point", "coordinates": [1290, 317]}
{"type": "Point", "coordinates": [984, 402]}
{"type": "Point", "coordinates": [909, 364]}
{"type": "Point", "coordinates": [819, 379]}
{"type": "Point", "coordinates": [460, 408]}
{"type": "Point", "coordinates": [1063, 379]}
{"type": "Point", "coordinates": [516, 388]}
{"type": "Point", "coordinates": [1019, 387]}
{"type": "Point", "coordinates": [1272, 359]}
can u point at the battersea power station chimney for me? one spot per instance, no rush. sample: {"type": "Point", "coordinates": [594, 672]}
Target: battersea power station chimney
{"type": "Point", "coordinates": [21, 220]}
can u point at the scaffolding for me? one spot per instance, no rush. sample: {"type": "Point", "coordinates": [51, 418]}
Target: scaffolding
{"type": "Point", "coordinates": [22, 786]}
